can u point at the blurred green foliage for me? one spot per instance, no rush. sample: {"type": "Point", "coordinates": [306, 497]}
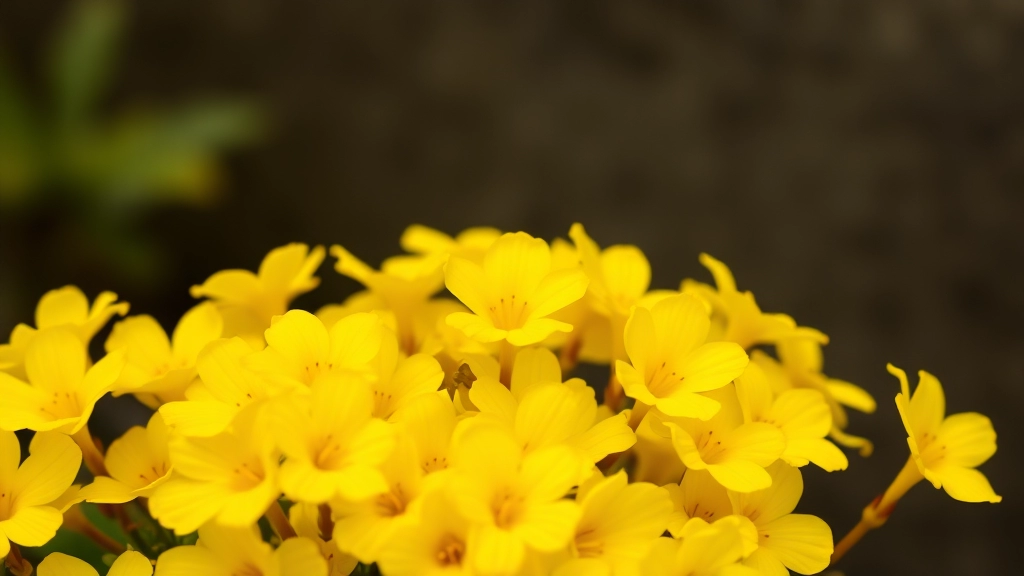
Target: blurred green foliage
{"type": "Point", "coordinates": [63, 145]}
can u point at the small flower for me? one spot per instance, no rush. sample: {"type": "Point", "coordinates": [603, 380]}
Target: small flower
{"type": "Point", "coordinates": [471, 243]}
{"type": "Point", "coordinates": [158, 369]}
{"type": "Point", "coordinates": [437, 544]}
{"type": "Point", "coordinates": [706, 550]}
{"type": "Point", "coordinates": [66, 307]}
{"type": "Point", "coordinates": [697, 496]}
{"type": "Point", "coordinates": [29, 512]}
{"type": "Point", "coordinates": [226, 551]}
{"type": "Point", "coordinates": [512, 294]}
{"type": "Point", "coordinates": [401, 378]}
{"type": "Point", "coordinates": [130, 563]}
{"type": "Point", "coordinates": [60, 393]}
{"type": "Point", "coordinates": [800, 542]}
{"type": "Point", "coordinates": [670, 363]}
{"type": "Point", "coordinates": [249, 301]}
{"type": "Point", "coordinates": [138, 462]}
{"type": "Point", "coordinates": [946, 449]}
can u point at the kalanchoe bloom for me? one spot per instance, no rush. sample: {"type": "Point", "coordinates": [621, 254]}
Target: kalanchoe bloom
{"type": "Point", "coordinates": [705, 550]}
{"type": "Point", "coordinates": [401, 378]}
{"type": "Point", "coordinates": [130, 563]}
{"type": "Point", "coordinates": [29, 512]}
{"type": "Point", "coordinates": [801, 414]}
{"type": "Point", "coordinates": [138, 462]}
{"type": "Point", "coordinates": [249, 301]}
{"type": "Point", "coordinates": [512, 294]}
{"type": "Point", "coordinates": [230, 478]}
{"type": "Point", "coordinates": [670, 361]}
{"type": "Point", "coordinates": [619, 523]}
{"type": "Point", "coordinates": [404, 284]}
{"type": "Point", "coordinates": [224, 551]}
{"type": "Point", "coordinates": [946, 449]}
{"type": "Point", "coordinates": [61, 392]}
{"type": "Point", "coordinates": [334, 445]}
{"type": "Point", "coordinates": [697, 496]}
{"type": "Point", "coordinates": [159, 369]}
{"type": "Point", "coordinates": [67, 307]}
{"type": "Point", "coordinates": [737, 317]}
{"type": "Point", "coordinates": [471, 243]}
{"type": "Point", "coordinates": [798, 542]}
{"type": "Point", "coordinates": [436, 544]}
{"type": "Point", "coordinates": [734, 452]}
{"type": "Point", "coordinates": [300, 348]}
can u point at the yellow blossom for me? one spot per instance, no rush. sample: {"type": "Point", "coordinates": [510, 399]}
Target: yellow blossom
{"type": "Point", "coordinates": [619, 523]}
{"type": "Point", "coordinates": [29, 513]}
{"type": "Point", "coordinates": [734, 452]}
{"type": "Point", "coordinates": [670, 361]}
{"type": "Point", "coordinates": [159, 369]}
{"type": "Point", "coordinates": [334, 446]}
{"type": "Point", "coordinates": [513, 502]}
{"type": "Point", "coordinates": [61, 392]}
{"type": "Point", "coordinates": [224, 389]}
{"type": "Point", "coordinates": [66, 307]}
{"type": "Point", "coordinates": [698, 495]}
{"type": "Point", "coordinates": [429, 420]}
{"type": "Point", "coordinates": [300, 348]}
{"type": "Point", "coordinates": [802, 415]}
{"type": "Point", "coordinates": [401, 378]}
{"type": "Point", "coordinates": [945, 449]}
{"type": "Point", "coordinates": [307, 522]}
{"type": "Point", "coordinates": [131, 563]}
{"type": "Point", "coordinates": [471, 243]}
{"type": "Point", "coordinates": [230, 478]}
{"type": "Point", "coordinates": [404, 284]}
{"type": "Point", "coordinates": [436, 544]}
{"type": "Point", "coordinates": [226, 551]}
{"type": "Point", "coordinates": [706, 550]}
{"type": "Point", "coordinates": [138, 462]}
{"type": "Point", "coordinates": [737, 317]}
{"type": "Point", "coordinates": [513, 292]}
{"type": "Point", "coordinates": [249, 301]}
{"type": "Point", "coordinates": [798, 542]}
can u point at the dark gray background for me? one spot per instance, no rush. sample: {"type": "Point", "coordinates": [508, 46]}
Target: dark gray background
{"type": "Point", "coordinates": [857, 163]}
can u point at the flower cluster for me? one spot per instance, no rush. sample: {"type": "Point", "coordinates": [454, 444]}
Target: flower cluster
{"type": "Point", "coordinates": [426, 434]}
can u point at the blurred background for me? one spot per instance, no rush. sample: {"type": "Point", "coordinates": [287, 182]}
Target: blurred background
{"type": "Point", "coordinates": [859, 165]}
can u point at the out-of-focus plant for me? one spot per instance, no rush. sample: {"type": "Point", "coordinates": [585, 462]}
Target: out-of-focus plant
{"type": "Point", "coordinates": [64, 144]}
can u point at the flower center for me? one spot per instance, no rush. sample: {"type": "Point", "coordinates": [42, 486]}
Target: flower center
{"type": "Point", "coordinates": [663, 380]}
{"type": "Point", "coordinates": [510, 313]}
{"type": "Point", "coordinates": [391, 503]}
{"type": "Point", "coordinates": [506, 510]}
{"type": "Point", "coordinates": [588, 545]}
{"type": "Point", "coordinates": [450, 551]}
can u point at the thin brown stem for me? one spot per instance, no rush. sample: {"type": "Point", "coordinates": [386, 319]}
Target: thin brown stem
{"type": "Point", "coordinates": [279, 521]}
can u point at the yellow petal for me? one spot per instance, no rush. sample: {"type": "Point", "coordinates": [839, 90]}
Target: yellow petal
{"type": "Point", "coordinates": [57, 564]}
{"type": "Point", "coordinates": [475, 327]}
{"type": "Point", "coordinates": [51, 467]}
{"type": "Point", "coordinates": [288, 270]}
{"type": "Point", "coordinates": [548, 527]}
{"type": "Point", "coordinates": [965, 484]}
{"type": "Point", "coordinates": [67, 305]}
{"type": "Point", "coordinates": [969, 439]}
{"type": "Point", "coordinates": [766, 563]}
{"type": "Point", "coordinates": [185, 505]}
{"type": "Point", "coordinates": [627, 273]}
{"type": "Point", "coordinates": [609, 436]}
{"type": "Point", "coordinates": [740, 475]}
{"type": "Point", "coordinates": [534, 366]}
{"type": "Point", "coordinates": [189, 561]}
{"type": "Point", "coordinates": [712, 366]}
{"type": "Point", "coordinates": [147, 345]}
{"type": "Point", "coordinates": [774, 502]}
{"type": "Point", "coordinates": [22, 405]}
{"type": "Point", "coordinates": [633, 383]}
{"type": "Point", "coordinates": [516, 263]}
{"type": "Point", "coordinates": [548, 474]}
{"type": "Point", "coordinates": [495, 551]}
{"type": "Point", "coordinates": [534, 331]}
{"type": "Point", "coordinates": [681, 323]}
{"type": "Point", "coordinates": [552, 413]}
{"type": "Point", "coordinates": [55, 360]}
{"type": "Point", "coordinates": [300, 337]}
{"type": "Point", "coordinates": [104, 490]}
{"type": "Point", "coordinates": [235, 286]}
{"type": "Point", "coordinates": [639, 337]}
{"type": "Point", "coordinates": [355, 340]}
{"type": "Point", "coordinates": [197, 417]}
{"type": "Point", "coordinates": [221, 368]}
{"type": "Point", "coordinates": [300, 557]}
{"type": "Point", "coordinates": [556, 291]}
{"type": "Point", "coordinates": [10, 454]}
{"type": "Point", "coordinates": [802, 413]}
{"type": "Point", "coordinates": [850, 395]}
{"type": "Point", "coordinates": [197, 328]}
{"type": "Point", "coordinates": [684, 404]}
{"type": "Point", "coordinates": [467, 282]}
{"type": "Point", "coordinates": [721, 273]}
{"type": "Point", "coordinates": [32, 525]}
{"type": "Point", "coordinates": [824, 454]}
{"type": "Point", "coordinates": [131, 563]}
{"type": "Point", "coordinates": [800, 541]}
{"type": "Point", "coordinates": [755, 394]}
{"type": "Point", "coordinates": [490, 397]}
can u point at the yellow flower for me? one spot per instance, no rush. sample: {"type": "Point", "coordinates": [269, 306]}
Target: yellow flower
{"type": "Point", "coordinates": [619, 523]}
{"type": "Point", "coordinates": [801, 367]}
{"type": "Point", "coordinates": [671, 363]}
{"type": "Point", "coordinates": [706, 550]}
{"type": "Point", "coordinates": [29, 514]}
{"type": "Point", "coordinates": [404, 284]}
{"type": "Point", "coordinates": [61, 393]}
{"type": "Point", "coordinates": [401, 379]}
{"type": "Point", "coordinates": [248, 301]}
{"type": "Point", "coordinates": [230, 478]}
{"type": "Point", "coordinates": [300, 348]}
{"type": "Point", "coordinates": [159, 369]}
{"type": "Point", "coordinates": [802, 415]}
{"type": "Point", "coordinates": [697, 496]}
{"type": "Point", "coordinates": [138, 462]}
{"type": "Point", "coordinates": [735, 453]}
{"type": "Point", "coordinates": [305, 518]}
{"type": "Point", "coordinates": [66, 307]}
{"type": "Point", "coordinates": [130, 563]}
{"type": "Point", "coordinates": [513, 502]}
{"type": "Point", "coordinates": [429, 420]}
{"type": "Point", "coordinates": [333, 443]}
{"type": "Point", "coordinates": [513, 292]}
{"type": "Point", "coordinates": [471, 243]}
{"type": "Point", "coordinates": [737, 317]}
{"type": "Point", "coordinates": [946, 449]}
{"type": "Point", "coordinates": [224, 389]}
{"type": "Point", "coordinates": [226, 551]}
{"type": "Point", "coordinates": [800, 542]}
{"type": "Point", "coordinates": [437, 544]}
{"type": "Point", "coordinates": [542, 412]}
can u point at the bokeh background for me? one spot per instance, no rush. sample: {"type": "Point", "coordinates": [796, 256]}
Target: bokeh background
{"type": "Point", "coordinates": [859, 164]}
